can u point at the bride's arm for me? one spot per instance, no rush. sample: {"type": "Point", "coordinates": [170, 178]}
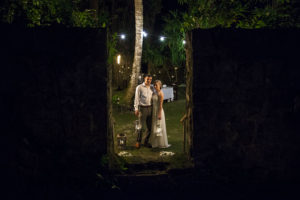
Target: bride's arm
{"type": "Point", "coordinates": [161, 100]}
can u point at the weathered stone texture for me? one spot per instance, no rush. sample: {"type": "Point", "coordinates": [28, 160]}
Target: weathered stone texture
{"type": "Point", "coordinates": [246, 90]}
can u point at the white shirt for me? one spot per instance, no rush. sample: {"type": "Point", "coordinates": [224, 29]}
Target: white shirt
{"type": "Point", "coordinates": [143, 96]}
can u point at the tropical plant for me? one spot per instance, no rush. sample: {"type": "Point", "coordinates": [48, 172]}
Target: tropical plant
{"type": "Point", "coordinates": [239, 14]}
{"type": "Point", "coordinates": [76, 13]}
{"type": "Point", "coordinates": [175, 38]}
{"type": "Point", "coordinates": [167, 54]}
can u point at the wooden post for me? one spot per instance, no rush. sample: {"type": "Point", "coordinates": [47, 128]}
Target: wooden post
{"type": "Point", "coordinates": [183, 121]}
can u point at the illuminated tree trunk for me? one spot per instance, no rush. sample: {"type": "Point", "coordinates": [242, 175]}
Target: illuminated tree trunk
{"type": "Point", "coordinates": [136, 67]}
{"type": "Point", "coordinates": [188, 129]}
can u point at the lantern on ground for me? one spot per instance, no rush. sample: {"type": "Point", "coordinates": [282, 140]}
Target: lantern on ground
{"type": "Point", "coordinates": [138, 125]}
{"type": "Point", "coordinates": [121, 139]}
{"type": "Point", "coordinates": [158, 130]}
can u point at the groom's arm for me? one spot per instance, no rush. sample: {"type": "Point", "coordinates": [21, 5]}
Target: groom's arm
{"type": "Point", "coordinates": [136, 100]}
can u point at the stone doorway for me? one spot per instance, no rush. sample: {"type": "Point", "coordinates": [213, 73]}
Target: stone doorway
{"type": "Point", "coordinates": [145, 159]}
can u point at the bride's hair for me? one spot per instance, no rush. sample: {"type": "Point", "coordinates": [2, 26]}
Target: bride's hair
{"type": "Point", "coordinates": [159, 82]}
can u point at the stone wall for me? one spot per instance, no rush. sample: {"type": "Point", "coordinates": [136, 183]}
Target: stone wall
{"type": "Point", "coordinates": [53, 100]}
{"type": "Point", "coordinates": [246, 93]}
{"type": "Point", "coordinates": [246, 105]}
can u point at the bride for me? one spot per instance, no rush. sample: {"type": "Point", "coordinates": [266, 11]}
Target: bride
{"type": "Point", "coordinates": [159, 133]}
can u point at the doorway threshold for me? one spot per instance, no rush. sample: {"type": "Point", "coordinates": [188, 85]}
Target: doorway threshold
{"type": "Point", "coordinates": [143, 165]}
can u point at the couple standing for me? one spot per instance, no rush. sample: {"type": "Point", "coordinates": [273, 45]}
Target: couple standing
{"type": "Point", "coordinates": [148, 105]}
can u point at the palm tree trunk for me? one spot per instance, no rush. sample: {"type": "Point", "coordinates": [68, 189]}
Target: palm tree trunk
{"type": "Point", "coordinates": [136, 67]}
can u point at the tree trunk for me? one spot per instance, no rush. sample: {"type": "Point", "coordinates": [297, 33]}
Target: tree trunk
{"type": "Point", "coordinates": [136, 67]}
{"type": "Point", "coordinates": [189, 96]}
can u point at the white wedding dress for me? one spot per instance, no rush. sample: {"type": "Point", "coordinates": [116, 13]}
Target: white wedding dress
{"type": "Point", "coordinates": [158, 140]}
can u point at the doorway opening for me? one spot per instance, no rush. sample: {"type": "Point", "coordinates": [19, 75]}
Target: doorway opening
{"type": "Point", "coordinates": [123, 123]}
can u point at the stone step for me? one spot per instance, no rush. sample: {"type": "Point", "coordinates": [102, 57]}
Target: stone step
{"type": "Point", "coordinates": [145, 173]}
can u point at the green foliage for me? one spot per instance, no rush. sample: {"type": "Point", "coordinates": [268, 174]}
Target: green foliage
{"type": "Point", "coordinates": [47, 12]}
{"type": "Point", "coordinates": [121, 164]}
{"type": "Point", "coordinates": [105, 178]}
{"type": "Point", "coordinates": [171, 51]}
{"type": "Point", "coordinates": [84, 19]}
{"type": "Point", "coordinates": [116, 163]}
{"type": "Point", "coordinates": [153, 54]}
{"type": "Point", "coordinates": [250, 14]}
{"type": "Point", "coordinates": [247, 14]}
{"type": "Point", "coordinates": [115, 99]}
{"type": "Point", "coordinates": [175, 36]}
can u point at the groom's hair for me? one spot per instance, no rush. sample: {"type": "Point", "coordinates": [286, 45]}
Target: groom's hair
{"type": "Point", "coordinates": [147, 75]}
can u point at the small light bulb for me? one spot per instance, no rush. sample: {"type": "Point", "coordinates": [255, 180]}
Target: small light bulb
{"type": "Point", "coordinates": [162, 38]}
{"type": "Point", "coordinates": [144, 34]}
{"type": "Point", "coordinates": [123, 36]}
{"type": "Point", "coordinates": [119, 59]}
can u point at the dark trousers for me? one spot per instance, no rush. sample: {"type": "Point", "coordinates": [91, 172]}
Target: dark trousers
{"type": "Point", "coordinates": [146, 121]}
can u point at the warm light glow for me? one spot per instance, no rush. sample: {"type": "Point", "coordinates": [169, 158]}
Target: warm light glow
{"type": "Point", "coordinates": [119, 59]}
{"type": "Point", "coordinates": [162, 38]}
{"type": "Point", "coordinates": [145, 34]}
{"type": "Point", "coordinates": [123, 36]}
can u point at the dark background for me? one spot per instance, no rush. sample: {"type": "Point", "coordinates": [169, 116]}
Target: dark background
{"type": "Point", "coordinates": [53, 105]}
{"type": "Point", "coordinates": [246, 96]}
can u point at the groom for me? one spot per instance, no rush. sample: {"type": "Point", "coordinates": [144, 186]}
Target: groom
{"type": "Point", "coordinates": [142, 106]}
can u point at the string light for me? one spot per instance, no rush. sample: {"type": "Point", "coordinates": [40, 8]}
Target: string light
{"type": "Point", "coordinates": [123, 36]}
{"type": "Point", "coordinates": [144, 34]}
{"type": "Point", "coordinates": [119, 59]}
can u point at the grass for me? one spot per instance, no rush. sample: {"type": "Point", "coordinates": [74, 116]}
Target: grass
{"type": "Point", "coordinates": [124, 123]}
